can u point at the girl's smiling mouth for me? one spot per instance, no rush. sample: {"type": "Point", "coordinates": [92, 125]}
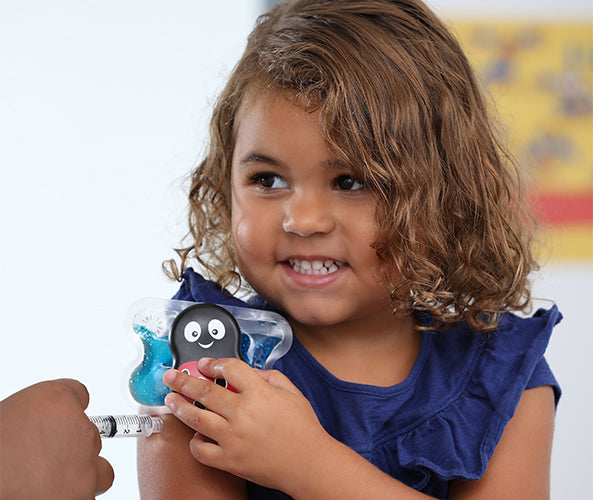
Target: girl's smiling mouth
{"type": "Point", "coordinates": [313, 271]}
{"type": "Point", "coordinates": [318, 267]}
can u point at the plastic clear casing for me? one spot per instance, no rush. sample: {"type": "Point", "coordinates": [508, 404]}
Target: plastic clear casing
{"type": "Point", "coordinates": [265, 337]}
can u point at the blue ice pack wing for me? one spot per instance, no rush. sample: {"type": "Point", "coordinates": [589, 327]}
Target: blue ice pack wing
{"type": "Point", "coordinates": [265, 336]}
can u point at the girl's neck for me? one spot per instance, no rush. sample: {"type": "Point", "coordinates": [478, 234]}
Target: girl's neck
{"type": "Point", "coordinates": [379, 351]}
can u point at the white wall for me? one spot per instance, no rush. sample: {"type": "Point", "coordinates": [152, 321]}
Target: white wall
{"type": "Point", "coordinates": [516, 9]}
{"type": "Point", "coordinates": [104, 107]}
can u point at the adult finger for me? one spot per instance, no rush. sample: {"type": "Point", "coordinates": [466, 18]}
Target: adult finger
{"type": "Point", "coordinates": [105, 476]}
{"type": "Point", "coordinates": [79, 390]}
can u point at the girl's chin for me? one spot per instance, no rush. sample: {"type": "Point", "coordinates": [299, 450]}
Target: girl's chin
{"type": "Point", "coordinates": [317, 316]}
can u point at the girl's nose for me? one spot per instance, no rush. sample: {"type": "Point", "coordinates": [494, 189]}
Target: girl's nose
{"type": "Point", "coordinates": [308, 215]}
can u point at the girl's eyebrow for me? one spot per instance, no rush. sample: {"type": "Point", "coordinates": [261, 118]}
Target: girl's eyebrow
{"type": "Point", "coordinates": [262, 158]}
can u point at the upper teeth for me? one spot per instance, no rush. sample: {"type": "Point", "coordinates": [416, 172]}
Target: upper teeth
{"type": "Point", "coordinates": [315, 266]}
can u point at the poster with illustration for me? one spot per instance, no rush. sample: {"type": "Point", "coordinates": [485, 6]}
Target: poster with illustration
{"type": "Point", "coordinates": [540, 75]}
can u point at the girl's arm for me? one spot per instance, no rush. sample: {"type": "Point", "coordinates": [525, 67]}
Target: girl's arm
{"type": "Point", "coordinates": [520, 466]}
{"type": "Point", "coordinates": [268, 433]}
{"type": "Point", "coordinates": [166, 468]}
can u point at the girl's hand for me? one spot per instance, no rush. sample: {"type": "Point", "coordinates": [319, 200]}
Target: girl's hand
{"type": "Point", "coordinates": [264, 433]}
{"type": "Point", "coordinates": [268, 433]}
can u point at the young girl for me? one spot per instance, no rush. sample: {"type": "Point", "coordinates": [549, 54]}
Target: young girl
{"type": "Point", "coordinates": [354, 183]}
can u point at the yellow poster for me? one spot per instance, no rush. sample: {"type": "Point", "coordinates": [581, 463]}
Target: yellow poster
{"type": "Point", "coordinates": [540, 77]}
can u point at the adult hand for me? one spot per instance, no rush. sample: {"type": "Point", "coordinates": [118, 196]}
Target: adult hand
{"type": "Point", "coordinates": [49, 448]}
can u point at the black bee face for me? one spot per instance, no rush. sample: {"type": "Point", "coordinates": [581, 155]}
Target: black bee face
{"type": "Point", "coordinates": [204, 330]}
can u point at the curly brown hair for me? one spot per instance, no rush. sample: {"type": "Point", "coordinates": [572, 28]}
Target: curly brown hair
{"type": "Point", "coordinates": [398, 102]}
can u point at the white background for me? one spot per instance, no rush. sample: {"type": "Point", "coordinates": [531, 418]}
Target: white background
{"type": "Point", "coordinates": [103, 110]}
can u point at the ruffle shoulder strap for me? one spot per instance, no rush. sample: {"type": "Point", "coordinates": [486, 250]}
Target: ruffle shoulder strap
{"type": "Point", "coordinates": [461, 424]}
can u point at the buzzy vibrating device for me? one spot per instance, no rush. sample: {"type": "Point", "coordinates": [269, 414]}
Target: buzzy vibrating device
{"type": "Point", "coordinates": [176, 334]}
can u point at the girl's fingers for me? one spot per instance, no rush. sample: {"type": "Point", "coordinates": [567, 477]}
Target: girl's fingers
{"type": "Point", "coordinates": [236, 372]}
{"type": "Point", "coordinates": [210, 395]}
{"type": "Point", "coordinates": [241, 376]}
{"type": "Point", "coordinates": [206, 422]}
{"type": "Point", "coordinates": [278, 380]}
{"type": "Point", "coordinates": [205, 451]}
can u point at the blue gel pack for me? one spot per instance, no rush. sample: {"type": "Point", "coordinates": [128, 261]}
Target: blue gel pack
{"type": "Point", "coordinates": [265, 336]}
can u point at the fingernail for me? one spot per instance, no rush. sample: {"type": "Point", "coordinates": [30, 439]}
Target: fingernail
{"type": "Point", "coordinates": [170, 402]}
{"type": "Point", "coordinates": [169, 376]}
{"type": "Point", "coordinates": [204, 363]}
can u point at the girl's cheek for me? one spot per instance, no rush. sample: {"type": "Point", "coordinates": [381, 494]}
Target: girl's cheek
{"type": "Point", "coordinates": [244, 236]}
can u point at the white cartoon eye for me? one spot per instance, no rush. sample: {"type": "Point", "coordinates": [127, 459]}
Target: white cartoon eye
{"type": "Point", "coordinates": [192, 331]}
{"type": "Point", "coordinates": [216, 329]}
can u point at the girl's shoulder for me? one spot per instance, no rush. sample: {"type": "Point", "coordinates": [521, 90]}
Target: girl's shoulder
{"type": "Point", "coordinates": [506, 357]}
{"type": "Point", "coordinates": [468, 391]}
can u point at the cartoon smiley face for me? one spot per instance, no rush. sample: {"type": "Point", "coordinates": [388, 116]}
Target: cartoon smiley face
{"type": "Point", "coordinates": [193, 333]}
{"type": "Point", "coordinates": [204, 330]}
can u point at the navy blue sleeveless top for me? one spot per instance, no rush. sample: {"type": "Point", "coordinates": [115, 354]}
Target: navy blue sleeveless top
{"type": "Point", "coordinates": [444, 420]}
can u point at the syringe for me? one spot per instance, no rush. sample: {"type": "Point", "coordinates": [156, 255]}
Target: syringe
{"type": "Point", "coordinates": [127, 425]}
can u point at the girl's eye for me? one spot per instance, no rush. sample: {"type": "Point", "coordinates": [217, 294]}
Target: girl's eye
{"type": "Point", "coordinates": [268, 180]}
{"type": "Point", "coordinates": [348, 183]}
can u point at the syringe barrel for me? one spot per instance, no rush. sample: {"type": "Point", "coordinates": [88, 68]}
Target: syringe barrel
{"type": "Point", "coordinates": [126, 425]}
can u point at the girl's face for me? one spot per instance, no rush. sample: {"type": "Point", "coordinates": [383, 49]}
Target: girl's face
{"type": "Point", "coordinates": [302, 224]}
